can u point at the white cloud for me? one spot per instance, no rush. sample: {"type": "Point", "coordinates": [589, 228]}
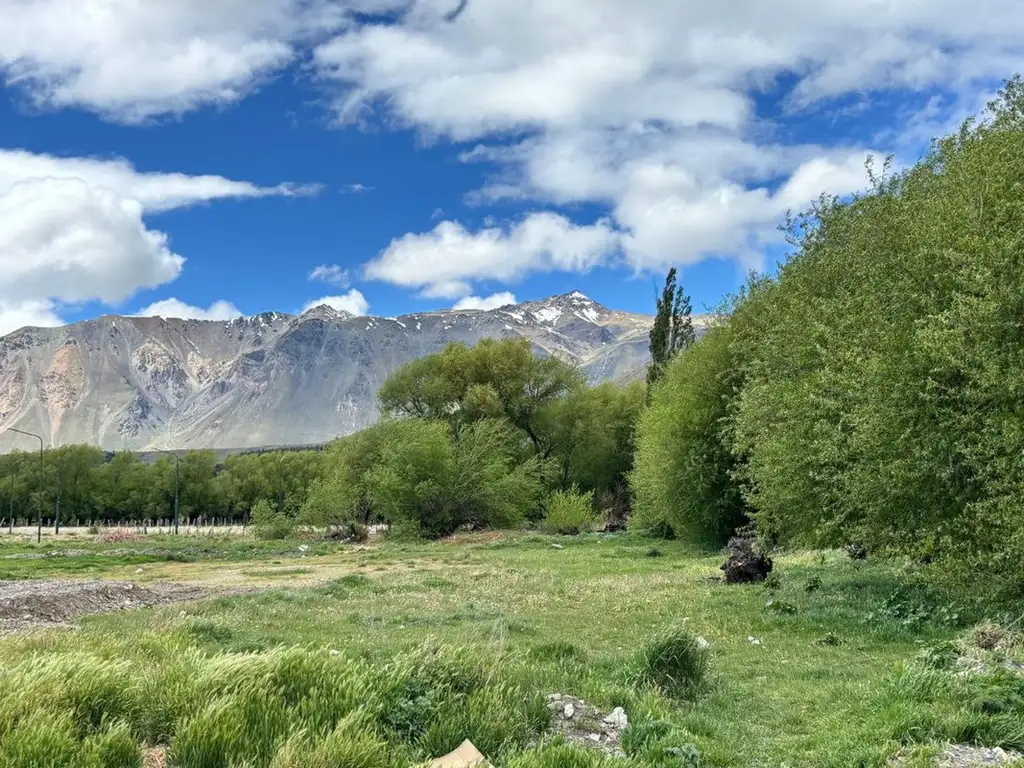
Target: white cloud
{"type": "Point", "coordinates": [62, 239]}
{"type": "Point", "coordinates": [444, 261]}
{"type": "Point", "coordinates": [175, 308]}
{"type": "Point", "coordinates": [15, 315]}
{"type": "Point", "coordinates": [72, 230]}
{"type": "Point", "coordinates": [155, 191]}
{"type": "Point", "coordinates": [352, 302]}
{"type": "Point", "coordinates": [493, 301]}
{"type": "Point", "coordinates": [650, 109]}
{"type": "Point", "coordinates": [132, 60]}
{"type": "Point", "coordinates": [331, 273]}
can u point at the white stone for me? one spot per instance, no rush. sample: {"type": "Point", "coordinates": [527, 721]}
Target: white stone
{"type": "Point", "coordinates": [569, 711]}
{"type": "Point", "coordinates": [617, 718]}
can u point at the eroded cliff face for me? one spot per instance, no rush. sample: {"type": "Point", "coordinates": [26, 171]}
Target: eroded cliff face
{"type": "Point", "coordinates": [270, 379]}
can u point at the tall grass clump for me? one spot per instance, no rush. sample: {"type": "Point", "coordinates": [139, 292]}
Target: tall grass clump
{"type": "Point", "coordinates": [50, 740]}
{"type": "Point", "coordinates": [569, 512]}
{"type": "Point", "coordinates": [675, 663]}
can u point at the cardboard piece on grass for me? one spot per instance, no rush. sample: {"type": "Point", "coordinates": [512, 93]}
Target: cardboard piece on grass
{"type": "Point", "coordinates": [465, 756]}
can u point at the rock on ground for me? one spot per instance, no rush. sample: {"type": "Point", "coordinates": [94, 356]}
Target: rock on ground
{"type": "Point", "coordinates": [581, 724]}
{"type": "Point", "coordinates": [967, 756]}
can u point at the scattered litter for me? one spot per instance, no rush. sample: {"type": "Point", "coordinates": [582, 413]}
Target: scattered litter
{"type": "Point", "coordinates": [304, 548]}
{"type": "Point", "coordinates": [465, 756]}
{"type": "Point", "coordinates": [557, 546]}
{"type": "Point", "coordinates": [702, 643]}
{"type": "Point", "coordinates": [335, 652]}
{"type": "Point", "coordinates": [753, 640]}
{"type": "Point", "coordinates": [138, 570]}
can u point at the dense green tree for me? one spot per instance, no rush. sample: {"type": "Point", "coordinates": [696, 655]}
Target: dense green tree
{"type": "Point", "coordinates": [590, 433]}
{"type": "Point", "coordinates": [672, 331]}
{"type": "Point", "coordinates": [71, 477]}
{"type": "Point", "coordinates": [883, 374]}
{"type": "Point", "coordinates": [121, 487]}
{"type": "Point", "coordinates": [341, 495]}
{"type": "Point", "coordinates": [493, 379]}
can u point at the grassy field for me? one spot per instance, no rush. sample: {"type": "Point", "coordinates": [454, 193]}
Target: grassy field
{"type": "Point", "coordinates": [834, 663]}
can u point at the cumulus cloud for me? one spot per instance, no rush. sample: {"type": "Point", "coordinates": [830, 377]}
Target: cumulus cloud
{"type": "Point", "coordinates": [73, 230]}
{"type": "Point", "coordinates": [62, 239]}
{"type": "Point", "coordinates": [493, 301]}
{"type": "Point", "coordinates": [131, 61]}
{"type": "Point", "coordinates": [175, 308]}
{"type": "Point", "coordinates": [352, 302]}
{"type": "Point", "coordinates": [650, 110]}
{"type": "Point", "coordinates": [331, 273]}
{"type": "Point", "coordinates": [443, 262]}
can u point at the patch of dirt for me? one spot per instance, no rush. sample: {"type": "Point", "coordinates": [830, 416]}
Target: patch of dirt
{"type": "Point", "coordinates": [581, 724]}
{"type": "Point", "coordinates": [49, 604]}
{"type": "Point", "coordinates": [966, 756]}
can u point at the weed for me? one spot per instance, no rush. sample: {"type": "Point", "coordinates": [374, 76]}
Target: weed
{"type": "Point", "coordinates": [780, 606]}
{"type": "Point", "coordinates": [557, 651]}
{"type": "Point", "coordinates": [569, 512]}
{"type": "Point", "coordinates": [676, 663]}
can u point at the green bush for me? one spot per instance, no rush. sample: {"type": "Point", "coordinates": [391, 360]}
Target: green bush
{"type": "Point", "coordinates": [269, 524]}
{"type": "Point", "coordinates": [675, 663]}
{"type": "Point", "coordinates": [429, 482]}
{"type": "Point", "coordinates": [569, 512]}
{"type": "Point", "coordinates": [683, 478]}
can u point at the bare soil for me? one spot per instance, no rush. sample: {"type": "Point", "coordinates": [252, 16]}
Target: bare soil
{"type": "Point", "coordinates": [51, 603]}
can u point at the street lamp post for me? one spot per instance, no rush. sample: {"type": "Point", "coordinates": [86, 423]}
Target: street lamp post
{"type": "Point", "coordinates": [39, 519]}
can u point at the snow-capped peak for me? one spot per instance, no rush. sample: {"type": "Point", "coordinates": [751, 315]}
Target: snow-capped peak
{"type": "Point", "coordinates": [327, 312]}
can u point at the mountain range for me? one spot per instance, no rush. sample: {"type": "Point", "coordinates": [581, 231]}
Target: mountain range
{"type": "Point", "coordinates": [143, 383]}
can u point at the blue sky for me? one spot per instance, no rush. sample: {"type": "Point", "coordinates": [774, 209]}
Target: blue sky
{"type": "Point", "coordinates": [203, 159]}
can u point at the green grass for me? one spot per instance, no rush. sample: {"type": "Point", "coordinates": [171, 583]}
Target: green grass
{"type": "Point", "coordinates": [836, 678]}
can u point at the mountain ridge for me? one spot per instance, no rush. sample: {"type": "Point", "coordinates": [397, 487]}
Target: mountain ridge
{"type": "Point", "coordinates": [127, 382]}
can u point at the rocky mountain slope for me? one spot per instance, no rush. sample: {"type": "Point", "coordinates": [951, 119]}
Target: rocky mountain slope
{"type": "Point", "coordinates": [272, 379]}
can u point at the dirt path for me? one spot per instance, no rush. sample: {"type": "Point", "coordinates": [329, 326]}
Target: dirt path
{"type": "Point", "coordinates": [51, 603]}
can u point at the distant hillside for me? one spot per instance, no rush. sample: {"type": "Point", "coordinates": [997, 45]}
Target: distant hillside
{"type": "Point", "coordinates": [143, 383]}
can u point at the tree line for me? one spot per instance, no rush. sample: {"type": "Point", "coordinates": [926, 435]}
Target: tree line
{"type": "Point", "coordinates": [468, 437]}
{"type": "Point", "coordinates": [85, 485]}
{"type": "Point", "coordinates": [872, 391]}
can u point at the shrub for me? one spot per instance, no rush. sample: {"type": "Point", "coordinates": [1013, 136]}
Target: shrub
{"type": "Point", "coordinates": [269, 524]}
{"type": "Point", "coordinates": [428, 482]}
{"type": "Point", "coordinates": [569, 512]}
{"type": "Point", "coordinates": [674, 662]}
{"type": "Point", "coordinates": [683, 474]}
